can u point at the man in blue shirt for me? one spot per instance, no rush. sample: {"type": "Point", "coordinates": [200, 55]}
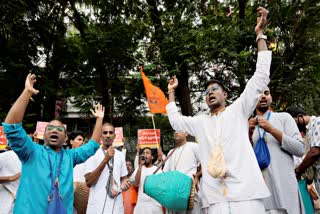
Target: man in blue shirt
{"type": "Point", "coordinates": [35, 183]}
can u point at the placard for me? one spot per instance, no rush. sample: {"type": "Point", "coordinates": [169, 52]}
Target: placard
{"type": "Point", "coordinates": [3, 139]}
{"type": "Point", "coordinates": [118, 141]}
{"type": "Point", "coordinates": [149, 138]}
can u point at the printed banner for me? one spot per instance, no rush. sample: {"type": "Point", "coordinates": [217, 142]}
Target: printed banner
{"type": "Point", "coordinates": [40, 129]}
{"type": "Point", "coordinates": [149, 138]}
{"type": "Point", "coordinates": [118, 141]}
{"type": "Point", "coordinates": [3, 139]}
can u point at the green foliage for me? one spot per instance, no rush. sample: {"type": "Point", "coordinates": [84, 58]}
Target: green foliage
{"type": "Point", "coordinates": [90, 50]}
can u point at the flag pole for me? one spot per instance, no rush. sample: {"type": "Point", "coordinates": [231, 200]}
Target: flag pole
{"type": "Point", "coordinates": [155, 134]}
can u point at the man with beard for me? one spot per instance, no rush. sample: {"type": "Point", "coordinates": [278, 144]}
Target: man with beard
{"type": "Point", "coordinates": [38, 162]}
{"type": "Point", "coordinates": [145, 204]}
{"type": "Point", "coordinates": [232, 180]}
{"type": "Point", "coordinates": [283, 140]}
{"type": "Point", "coordinates": [107, 163]}
{"type": "Point", "coordinates": [185, 158]}
{"type": "Point", "coordinates": [310, 126]}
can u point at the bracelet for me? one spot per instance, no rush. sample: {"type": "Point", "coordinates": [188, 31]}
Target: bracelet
{"type": "Point", "coordinates": [261, 36]}
{"type": "Point", "coordinates": [170, 91]}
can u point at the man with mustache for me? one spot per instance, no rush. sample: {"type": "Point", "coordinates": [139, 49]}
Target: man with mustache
{"type": "Point", "coordinates": [310, 126]}
{"type": "Point", "coordinates": [145, 204]}
{"type": "Point", "coordinates": [106, 161]}
{"type": "Point", "coordinates": [284, 141]}
{"type": "Point", "coordinates": [232, 180]}
{"type": "Point", "coordinates": [36, 180]}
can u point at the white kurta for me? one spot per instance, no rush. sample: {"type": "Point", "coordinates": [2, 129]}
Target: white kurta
{"type": "Point", "coordinates": [145, 204]}
{"type": "Point", "coordinates": [9, 165]}
{"type": "Point", "coordinates": [79, 172]}
{"type": "Point", "coordinates": [99, 201]}
{"type": "Point", "coordinates": [185, 159]}
{"type": "Point", "coordinates": [279, 175]}
{"type": "Point", "coordinates": [244, 179]}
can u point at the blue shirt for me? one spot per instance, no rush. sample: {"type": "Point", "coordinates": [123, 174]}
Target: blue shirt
{"type": "Point", "coordinates": [35, 181]}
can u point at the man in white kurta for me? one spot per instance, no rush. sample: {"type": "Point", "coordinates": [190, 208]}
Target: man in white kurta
{"type": "Point", "coordinates": [98, 199]}
{"type": "Point", "coordinates": [10, 165]}
{"type": "Point", "coordinates": [243, 188]}
{"type": "Point", "coordinates": [145, 204]}
{"type": "Point", "coordinates": [97, 174]}
{"type": "Point", "coordinates": [186, 159]}
{"type": "Point", "coordinates": [284, 141]}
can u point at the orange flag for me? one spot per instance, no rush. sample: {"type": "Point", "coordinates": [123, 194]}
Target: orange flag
{"type": "Point", "coordinates": [157, 101]}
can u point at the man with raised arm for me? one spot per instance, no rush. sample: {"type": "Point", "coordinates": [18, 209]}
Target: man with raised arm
{"type": "Point", "coordinates": [36, 181]}
{"type": "Point", "coordinates": [232, 180]}
{"type": "Point", "coordinates": [108, 164]}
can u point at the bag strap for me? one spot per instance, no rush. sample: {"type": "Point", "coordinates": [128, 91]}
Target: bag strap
{"type": "Point", "coordinates": [112, 161]}
{"type": "Point", "coordinates": [54, 181]}
{"type": "Point", "coordinates": [164, 161]}
{"type": "Point", "coordinates": [264, 132]}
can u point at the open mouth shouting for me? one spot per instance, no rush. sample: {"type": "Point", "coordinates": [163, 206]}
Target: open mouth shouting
{"type": "Point", "coordinates": [53, 138]}
{"type": "Point", "coordinates": [212, 99]}
{"type": "Point", "coordinates": [263, 102]}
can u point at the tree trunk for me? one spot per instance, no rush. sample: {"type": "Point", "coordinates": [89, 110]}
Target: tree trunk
{"type": "Point", "coordinates": [183, 92]}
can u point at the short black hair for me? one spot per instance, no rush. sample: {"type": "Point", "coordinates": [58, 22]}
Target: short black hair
{"type": "Point", "coordinates": [74, 134]}
{"type": "Point", "coordinates": [214, 81]}
{"type": "Point", "coordinates": [145, 149]}
{"type": "Point", "coordinates": [294, 111]}
{"type": "Point", "coordinates": [128, 160]}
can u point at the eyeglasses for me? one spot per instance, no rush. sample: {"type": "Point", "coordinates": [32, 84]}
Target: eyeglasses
{"type": "Point", "coordinates": [106, 132]}
{"type": "Point", "coordinates": [213, 88]}
{"type": "Point", "coordinates": [52, 127]}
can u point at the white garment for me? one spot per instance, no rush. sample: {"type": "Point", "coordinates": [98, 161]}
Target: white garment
{"type": "Point", "coordinates": [9, 165]}
{"type": "Point", "coordinates": [238, 207]}
{"type": "Point", "coordinates": [279, 211]}
{"type": "Point", "coordinates": [185, 159]}
{"type": "Point", "coordinates": [99, 201]}
{"type": "Point", "coordinates": [145, 204]}
{"type": "Point", "coordinates": [244, 179]}
{"type": "Point", "coordinates": [79, 172]}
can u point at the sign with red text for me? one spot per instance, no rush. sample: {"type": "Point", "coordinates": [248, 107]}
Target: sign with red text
{"type": "Point", "coordinates": [40, 129]}
{"type": "Point", "coordinates": [3, 139]}
{"type": "Point", "coordinates": [118, 141]}
{"type": "Point", "coordinates": [149, 138]}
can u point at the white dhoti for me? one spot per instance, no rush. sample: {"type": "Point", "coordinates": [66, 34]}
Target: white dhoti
{"type": "Point", "coordinates": [237, 207]}
{"type": "Point", "coordinates": [277, 211]}
{"type": "Point", "coordinates": [147, 208]}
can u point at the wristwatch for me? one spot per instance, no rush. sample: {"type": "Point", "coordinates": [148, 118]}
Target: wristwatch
{"type": "Point", "coordinates": [261, 36]}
